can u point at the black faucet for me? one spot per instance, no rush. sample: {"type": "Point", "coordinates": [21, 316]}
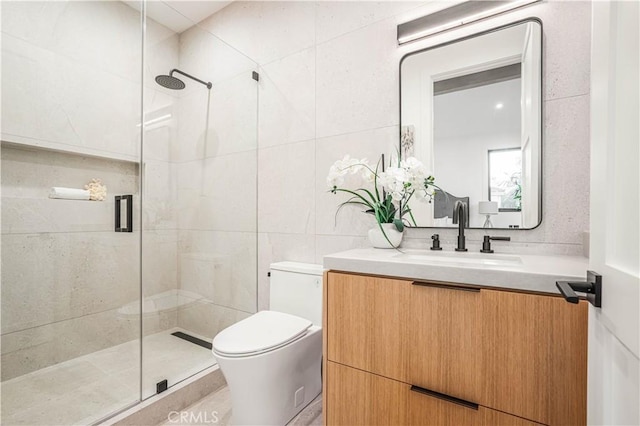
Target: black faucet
{"type": "Point", "coordinates": [460, 218]}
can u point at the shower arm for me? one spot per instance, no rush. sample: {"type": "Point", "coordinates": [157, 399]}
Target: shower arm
{"type": "Point", "coordinates": [208, 84]}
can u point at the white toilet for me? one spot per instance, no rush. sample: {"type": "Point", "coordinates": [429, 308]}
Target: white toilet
{"type": "Point", "coordinates": [272, 360]}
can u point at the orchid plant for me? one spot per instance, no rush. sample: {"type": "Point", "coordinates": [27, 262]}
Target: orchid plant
{"type": "Point", "coordinates": [392, 188]}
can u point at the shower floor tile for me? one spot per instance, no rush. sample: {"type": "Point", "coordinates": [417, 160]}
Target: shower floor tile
{"type": "Point", "coordinates": [85, 389]}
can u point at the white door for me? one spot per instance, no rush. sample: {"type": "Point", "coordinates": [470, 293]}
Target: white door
{"type": "Point", "coordinates": [614, 330]}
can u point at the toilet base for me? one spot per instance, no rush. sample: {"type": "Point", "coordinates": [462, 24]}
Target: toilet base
{"type": "Point", "coordinates": [273, 387]}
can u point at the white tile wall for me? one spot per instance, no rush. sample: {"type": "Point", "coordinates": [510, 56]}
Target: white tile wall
{"type": "Point", "coordinates": [70, 81]}
{"type": "Point", "coordinates": [233, 284]}
{"type": "Point", "coordinates": [357, 80]}
{"type": "Point", "coordinates": [227, 198]}
{"type": "Point", "coordinates": [266, 31]}
{"type": "Point", "coordinates": [350, 49]}
{"type": "Point", "coordinates": [286, 204]}
{"type": "Point", "coordinates": [216, 165]}
{"type": "Point", "coordinates": [287, 99]}
{"type": "Point", "coordinates": [334, 19]}
{"type": "Point", "coordinates": [233, 115]}
{"type": "Point", "coordinates": [67, 29]}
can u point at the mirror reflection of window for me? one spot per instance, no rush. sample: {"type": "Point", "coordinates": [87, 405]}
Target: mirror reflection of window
{"type": "Point", "coordinates": [505, 179]}
{"type": "Point", "coordinates": [474, 116]}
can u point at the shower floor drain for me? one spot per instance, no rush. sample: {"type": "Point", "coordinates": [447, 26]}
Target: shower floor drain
{"type": "Point", "coordinates": [192, 339]}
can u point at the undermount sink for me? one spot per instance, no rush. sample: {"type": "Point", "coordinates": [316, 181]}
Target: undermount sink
{"type": "Point", "coordinates": [467, 258]}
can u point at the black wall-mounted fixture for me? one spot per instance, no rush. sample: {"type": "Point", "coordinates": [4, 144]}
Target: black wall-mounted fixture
{"type": "Point", "coordinates": [162, 386]}
{"type": "Point", "coordinates": [436, 242]}
{"type": "Point", "coordinates": [129, 213]}
{"type": "Point", "coordinates": [174, 83]}
{"type": "Point", "coordinates": [592, 287]}
{"type": "Point", "coordinates": [486, 243]}
{"type": "Point", "coordinates": [455, 16]}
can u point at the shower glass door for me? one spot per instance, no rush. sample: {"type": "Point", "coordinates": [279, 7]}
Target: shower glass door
{"type": "Point", "coordinates": [70, 292]}
{"type": "Point", "coordinates": [199, 207]}
{"type": "Point", "coordinates": [104, 299]}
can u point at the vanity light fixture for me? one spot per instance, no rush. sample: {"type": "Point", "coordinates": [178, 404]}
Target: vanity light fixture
{"type": "Point", "coordinates": [455, 16]}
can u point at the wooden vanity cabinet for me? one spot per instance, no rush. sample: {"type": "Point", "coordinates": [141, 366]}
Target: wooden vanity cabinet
{"type": "Point", "coordinates": [359, 398]}
{"type": "Point", "coordinates": [444, 331]}
{"type": "Point", "coordinates": [473, 356]}
{"type": "Point", "coordinates": [365, 328]}
{"type": "Point", "coordinates": [535, 357]}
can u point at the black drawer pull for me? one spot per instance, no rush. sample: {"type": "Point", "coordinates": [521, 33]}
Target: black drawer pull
{"type": "Point", "coordinates": [129, 200]}
{"type": "Point", "coordinates": [447, 286]}
{"type": "Point", "coordinates": [444, 397]}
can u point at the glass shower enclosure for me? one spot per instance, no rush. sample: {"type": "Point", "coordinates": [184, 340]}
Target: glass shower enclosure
{"type": "Point", "coordinates": [106, 302]}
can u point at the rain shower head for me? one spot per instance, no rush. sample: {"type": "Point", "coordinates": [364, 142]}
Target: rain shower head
{"type": "Point", "coordinates": [174, 83]}
{"type": "Point", "coordinates": [170, 82]}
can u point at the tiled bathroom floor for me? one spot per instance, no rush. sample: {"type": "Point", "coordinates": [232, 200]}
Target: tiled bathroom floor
{"type": "Point", "coordinates": [215, 410]}
{"type": "Point", "coordinates": [87, 388]}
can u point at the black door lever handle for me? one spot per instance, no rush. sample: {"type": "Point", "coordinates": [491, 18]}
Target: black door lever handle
{"type": "Point", "coordinates": [592, 287]}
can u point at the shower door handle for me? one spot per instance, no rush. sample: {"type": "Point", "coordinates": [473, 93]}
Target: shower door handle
{"type": "Point", "coordinates": [118, 209]}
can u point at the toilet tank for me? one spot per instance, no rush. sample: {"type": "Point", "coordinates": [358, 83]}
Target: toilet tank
{"type": "Point", "coordinates": [296, 288]}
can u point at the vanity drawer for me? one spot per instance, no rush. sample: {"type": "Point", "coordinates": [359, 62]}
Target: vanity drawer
{"type": "Point", "coordinates": [358, 398]}
{"type": "Point", "coordinates": [535, 357]}
{"type": "Point", "coordinates": [444, 337]}
{"type": "Point", "coordinates": [366, 318]}
{"type": "Point", "coordinates": [427, 410]}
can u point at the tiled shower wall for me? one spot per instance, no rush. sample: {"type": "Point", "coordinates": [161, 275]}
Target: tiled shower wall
{"type": "Point", "coordinates": [72, 88]}
{"type": "Point", "coordinates": [329, 87]}
{"type": "Point", "coordinates": [70, 113]}
{"type": "Point", "coordinates": [215, 161]}
{"type": "Point", "coordinates": [65, 273]}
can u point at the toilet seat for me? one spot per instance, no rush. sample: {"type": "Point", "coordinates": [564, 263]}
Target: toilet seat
{"type": "Point", "coordinates": [262, 332]}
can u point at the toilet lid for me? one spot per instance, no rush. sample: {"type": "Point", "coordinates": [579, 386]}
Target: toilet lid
{"type": "Point", "coordinates": [259, 333]}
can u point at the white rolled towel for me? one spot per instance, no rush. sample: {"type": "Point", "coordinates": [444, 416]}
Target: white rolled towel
{"type": "Point", "coordinates": [69, 193]}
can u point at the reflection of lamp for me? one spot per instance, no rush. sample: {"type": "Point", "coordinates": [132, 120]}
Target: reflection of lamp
{"type": "Point", "coordinates": [488, 208]}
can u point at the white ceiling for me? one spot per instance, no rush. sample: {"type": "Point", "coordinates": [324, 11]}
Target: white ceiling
{"type": "Point", "coordinates": [179, 15]}
{"type": "Point", "coordinates": [473, 111]}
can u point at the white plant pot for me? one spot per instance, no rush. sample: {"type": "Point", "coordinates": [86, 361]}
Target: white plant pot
{"type": "Point", "coordinates": [377, 239]}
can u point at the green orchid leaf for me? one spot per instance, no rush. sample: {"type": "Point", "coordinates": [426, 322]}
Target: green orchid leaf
{"type": "Point", "coordinates": [399, 225]}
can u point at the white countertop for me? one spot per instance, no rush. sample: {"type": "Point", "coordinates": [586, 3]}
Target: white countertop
{"type": "Point", "coordinates": [512, 271]}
